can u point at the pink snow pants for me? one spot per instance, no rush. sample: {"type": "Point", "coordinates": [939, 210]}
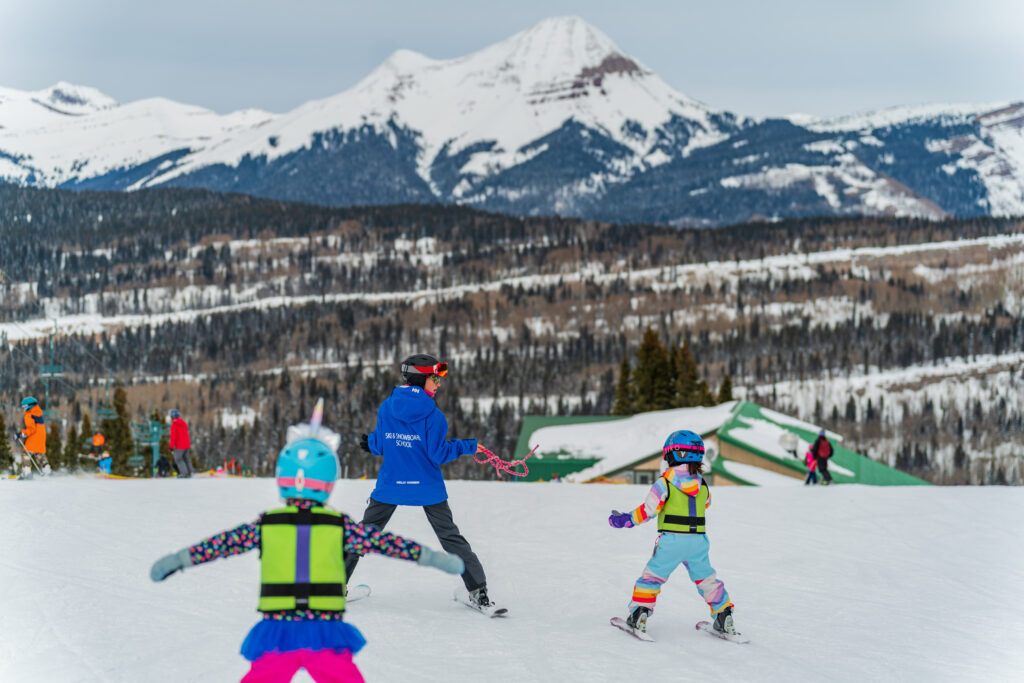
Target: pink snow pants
{"type": "Point", "coordinates": [324, 666]}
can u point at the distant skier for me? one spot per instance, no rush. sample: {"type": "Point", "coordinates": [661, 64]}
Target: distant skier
{"type": "Point", "coordinates": [812, 466]}
{"type": "Point", "coordinates": [180, 444]}
{"type": "Point", "coordinates": [96, 445]}
{"type": "Point", "coordinates": [163, 468]}
{"type": "Point", "coordinates": [822, 449]}
{"type": "Point", "coordinates": [33, 438]}
{"type": "Point", "coordinates": [302, 572]}
{"type": "Point", "coordinates": [679, 498]}
{"type": "Point", "coordinates": [410, 435]}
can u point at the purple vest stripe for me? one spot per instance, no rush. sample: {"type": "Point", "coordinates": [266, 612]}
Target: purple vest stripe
{"type": "Point", "coordinates": [302, 538]}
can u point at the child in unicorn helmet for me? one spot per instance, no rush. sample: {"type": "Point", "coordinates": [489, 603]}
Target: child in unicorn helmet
{"type": "Point", "coordinates": [678, 499]}
{"type": "Point", "coordinates": [302, 568]}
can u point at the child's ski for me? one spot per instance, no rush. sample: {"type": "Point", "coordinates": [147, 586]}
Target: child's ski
{"type": "Point", "coordinates": [709, 629]}
{"type": "Point", "coordinates": [461, 595]}
{"type": "Point", "coordinates": [619, 622]}
{"type": "Point", "coordinates": [357, 592]}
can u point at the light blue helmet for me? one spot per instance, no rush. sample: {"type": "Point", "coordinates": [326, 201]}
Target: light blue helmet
{"type": "Point", "coordinates": [307, 466]}
{"type": "Point", "coordinates": [28, 403]}
{"type": "Point", "coordinates": [175, 413]}
{"type": "Point", "coordinates": [683, 446]}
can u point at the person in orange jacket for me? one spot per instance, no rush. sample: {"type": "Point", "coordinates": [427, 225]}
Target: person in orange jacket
{"type": "Point", "coordinates": [96, 447]}
{"type": "Point", "coordinates": [33, 437]}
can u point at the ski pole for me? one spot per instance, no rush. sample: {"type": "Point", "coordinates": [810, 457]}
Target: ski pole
{"type": "Point", "coordinates": [30, 456]}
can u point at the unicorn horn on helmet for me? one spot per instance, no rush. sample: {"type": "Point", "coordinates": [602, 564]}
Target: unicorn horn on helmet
{"type": "Point", "coordinates": [318, 414]}
{"type": "Point", "coordinates": [314, 429]}
{"type": "Point", "coordinates": [307, 466]}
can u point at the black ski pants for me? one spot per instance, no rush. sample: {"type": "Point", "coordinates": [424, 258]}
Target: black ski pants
{"type": "Point", "coordinates": [823, 469]}
{"type": "Point", "coordinates": [440, 517]}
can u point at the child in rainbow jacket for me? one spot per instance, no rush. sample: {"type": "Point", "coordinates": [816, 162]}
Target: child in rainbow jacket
{"type": "Point", "coordinates": [679, 498]}
{"type": "Point", "coordinates": [302, 568]}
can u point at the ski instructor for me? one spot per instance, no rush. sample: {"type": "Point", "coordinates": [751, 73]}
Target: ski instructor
{"type": "Point", "coordinates": [410, 435]}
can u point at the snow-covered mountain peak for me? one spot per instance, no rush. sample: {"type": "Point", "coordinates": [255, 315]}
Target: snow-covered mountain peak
{"type": "Point", "coordinates": [559, 48]}
{"type": "Point", "coordinates": [68, 98]}
{"type": "Point", "coordinates": [400, 61]}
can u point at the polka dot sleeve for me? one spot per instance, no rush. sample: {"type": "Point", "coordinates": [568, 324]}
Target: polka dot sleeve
{"type": "Point", "coordinates": [236, 541]}
{"type": "Point", "coordinates": [361, 539]}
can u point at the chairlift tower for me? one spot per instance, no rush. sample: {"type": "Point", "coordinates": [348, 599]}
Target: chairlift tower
{"type": "Point", "coordinates": [105, 412]}
{"type": "Point", "coordinates": [149, 434]}
{"type": "Point", "coordinates": [49, 373]}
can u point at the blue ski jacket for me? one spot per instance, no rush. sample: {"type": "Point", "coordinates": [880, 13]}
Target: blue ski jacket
{"type": "Point", "coordinates": [410, 435]}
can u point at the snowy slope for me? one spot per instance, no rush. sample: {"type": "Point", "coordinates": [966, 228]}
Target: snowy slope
{"type": "Point", "coordinates": [844, 584]}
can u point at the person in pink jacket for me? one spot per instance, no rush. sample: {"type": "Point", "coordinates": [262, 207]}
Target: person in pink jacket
{"type": "Point", "coordinates": [180, 444]}
{"type": "Point", "coordinates": [812, 467]}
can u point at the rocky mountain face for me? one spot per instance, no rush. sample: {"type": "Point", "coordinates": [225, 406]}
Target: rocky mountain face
{"type": "Point", "coordinates": [554, 120]}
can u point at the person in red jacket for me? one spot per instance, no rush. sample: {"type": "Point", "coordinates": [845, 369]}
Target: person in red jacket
{"type": "Point", "coordinates": [822, 449]}
{"type": "Point", "coordinates": [180, 444]}
{"type": "Point", "coordinates": [34, 438]}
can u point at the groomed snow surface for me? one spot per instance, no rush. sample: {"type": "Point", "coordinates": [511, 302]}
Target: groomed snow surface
{"type": "Point", "coordinates": [847, 583]}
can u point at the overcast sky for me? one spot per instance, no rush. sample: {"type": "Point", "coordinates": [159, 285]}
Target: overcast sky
{"type": "Point", "coordinates": [752, 57]}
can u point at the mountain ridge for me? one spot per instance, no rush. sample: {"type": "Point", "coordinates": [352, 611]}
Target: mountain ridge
{"type": "Point", "coordinates": [554, 119]}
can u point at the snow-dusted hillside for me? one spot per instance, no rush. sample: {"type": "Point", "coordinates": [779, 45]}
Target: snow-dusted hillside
{"type": "Point", "coordinates": [555, 119]}
{"type": "Point", "coordinates": [931, 590]}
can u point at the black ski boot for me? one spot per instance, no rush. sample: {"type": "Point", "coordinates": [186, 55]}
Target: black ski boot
{"type": "Point", "coordinates": [723, 622]}
{"type": "Point", "coordinates": [479, 598]}
{"type": "Point", "coordinates": [638, 619]}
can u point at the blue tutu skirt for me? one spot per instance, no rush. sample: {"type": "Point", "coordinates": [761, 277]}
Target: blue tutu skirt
{"type": "Point", "coordinates": [272, 635]}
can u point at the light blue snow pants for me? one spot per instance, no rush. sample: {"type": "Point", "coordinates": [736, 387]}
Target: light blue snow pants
{"type": "Point", "coordinates": [670, 551]}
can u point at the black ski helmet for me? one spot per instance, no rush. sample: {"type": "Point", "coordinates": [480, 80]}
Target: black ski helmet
{"type": "Point", "coordinates": [423, 365]}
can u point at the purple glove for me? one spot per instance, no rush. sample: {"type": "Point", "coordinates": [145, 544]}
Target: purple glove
{"type": "Point", "coordinates": [620, 520]}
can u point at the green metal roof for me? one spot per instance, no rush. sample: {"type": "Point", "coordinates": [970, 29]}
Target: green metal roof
{"type": "Point", "coordinates": [543, 465]}
{"type": "Point", "coordinates": [846, 466]}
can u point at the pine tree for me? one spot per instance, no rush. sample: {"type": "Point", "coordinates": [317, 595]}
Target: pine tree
{"type": "Point", "coordinates": [165, 439]}
{"type": "Point", "coordinates": [673, 371]}
{"type": "Point", "coordinates": [704, 395]}
{"type": "Point", "coordinates": [6, 456]}
{"type": "Point", "coordinates": [725, 389]}
{"type": "Point", "coordinates": [85, 434]}
{"type": "Point", "coordinates": [54, 445]}
{"type": "Point", "coordinates": [71, 448]}
{"type": "Point", "coordinates": [623, 391]}
{"type": "Point", "coordinates": [687, 388]}
{"type": "Point", "coordinates": [118, 433]}
{"type": "Point", "coordinates": [652, 390]}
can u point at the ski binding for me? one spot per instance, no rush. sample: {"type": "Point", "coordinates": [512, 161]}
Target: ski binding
{"type": "Point", "coordinates": [619, 622]}
{"type": "Point", "coordinates": [461, 595]}
{"type": "Point", "coordinates": [710, 630]}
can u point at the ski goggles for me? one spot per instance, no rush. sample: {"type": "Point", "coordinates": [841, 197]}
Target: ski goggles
{"type": "Point", "coordinates": [439, 369]}
{"type": "Point", "coordinates": [682, 447]}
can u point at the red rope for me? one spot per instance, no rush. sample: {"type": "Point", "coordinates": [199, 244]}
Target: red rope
{"type": "Point", "coordinates": [505, 465]}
